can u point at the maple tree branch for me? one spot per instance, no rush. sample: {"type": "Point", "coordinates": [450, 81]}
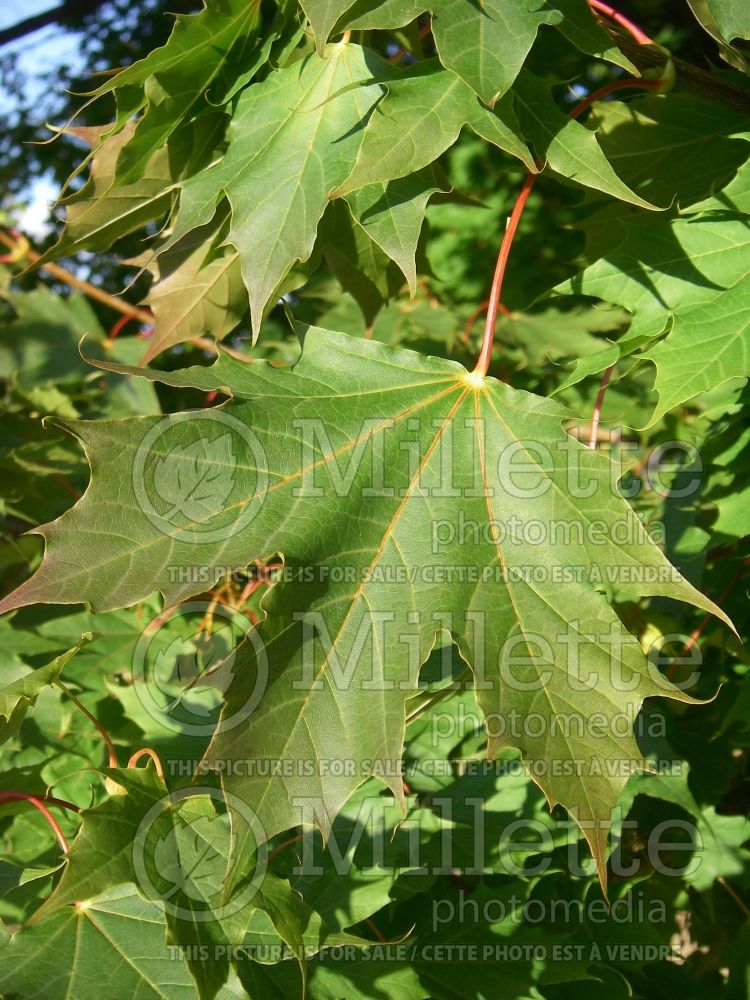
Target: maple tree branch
{"type": "Point", "coordinates": [687, 77]}
{"type": "Point", "coordinates": [65, 14]}
{"type": "Point", "coordinates": [21, 250]}
{"type": "Point", "coordinates": [73, 281]}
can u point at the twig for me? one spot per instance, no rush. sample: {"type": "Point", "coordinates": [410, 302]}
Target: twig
{"type": "Point", "coordinates": [144, 316]}
{"type": "Point", "coordinates": [687, 77]}
{"type": "Point", "coordinates": [62, 274]}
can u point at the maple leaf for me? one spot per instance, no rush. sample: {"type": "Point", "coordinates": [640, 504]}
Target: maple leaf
{"type": "Point", "coordinates": [197, 290]}
{"type": "Point", "coordinates": [189, 485]}
{"type": "Point", "coordinates": [375, 574]}
{"type": "Point", "coordinates": [431, 104]}
{"type": "Point", "coordinates": [726, 21]}
{"type": "Point", "coordinates": [160, 90]}
{"type": "Point", "coordinates": [16, 698]}
{"type": "Point", "coordinates": [485, 44]}
{"type": "Point", "coordinates": [293, 137]}
{"type": "Point", "coordinates": [116, 934]}
{"type": "Point", "coordinates": [685, 276]}
{"type": "Point", "coordinates": [188, 860]}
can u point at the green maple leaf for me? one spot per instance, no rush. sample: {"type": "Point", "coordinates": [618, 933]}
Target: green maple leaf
{"type": "Point", "coordinates": [191, 857]}
{"type": "Point", "coordinates": [732, 16]}
{"type": "Point", "coordinates": [294, 141]}
{"type": "Point", "coordinates": [16, 698]}
{"type": "Point", "coordinates": [392, 214]}
{"type": "Point", "coordinates": [178, 856]}
{"type": "Point", "coordinates": [348, 409]}
{"type": "Point", "coordinates": [284, 917]}
{"type": "Point", "coordinates": [190, 485]}
{"type": "Point", "coordinates": [115, 943]}
{"type": "Point", "coordinates": [476, 960]}
{"type": "Point", "coordinates": [358, 262]}
{"type": "Point", "coordinates": [485, 44]}
{"type": "Point", "coordinates": [718, 840]}
{"type": "Point", "coordinates": [567, 146]}
{"type": "Point", "coordinates": [174, 849]}
{"type": "Point", "coordinates": [105, 209]}
{"type": "Point", "coordinates": [726, 21]}
{"type": "Point", "coordinates": [686, 146]}
{"type": "Point", "coordinates": [432, 104]}
{"type": "Point", "coordinates": [293, 138]}
{"type": "Point", "coordinates": [420, 117]}
{"type": "Point", "coordinates": [162, 88]}
{"type": "Point", "coordinates": [198, 290]}
{"type": "Point", "coordinates": [686, 275]}
{"type": "Point", "coordinates": [102, 211]}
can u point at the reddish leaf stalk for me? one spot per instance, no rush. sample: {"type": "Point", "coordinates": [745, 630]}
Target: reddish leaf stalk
{"type": "Point", "coordinates": [483, 361]}
{"type": "Point", "coordinates": [121, 322]}
{"type": "Point", "coordinates": [49, 799]}
{"type": "Point", "coordinates": [698, 630]}
{"type": "Point", "coordinates": [608, 88]}
{"type": "Point", "coordinates": [38, 802]}
{"type": "Point", "coordinates": [373, 927]}
{"type": "Point", "coordinates": [152, 754]}
{"type": "Point", "coordinates": [111, 752]}
{"type": "Point", "coordinates": [624, 22]}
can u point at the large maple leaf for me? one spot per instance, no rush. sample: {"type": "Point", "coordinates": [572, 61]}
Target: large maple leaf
{"type": "Point", "coordinates": [407, 498]}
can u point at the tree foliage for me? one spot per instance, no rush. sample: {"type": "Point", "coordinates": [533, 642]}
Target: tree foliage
{"type": "Point", "coordinates": [416, 674]}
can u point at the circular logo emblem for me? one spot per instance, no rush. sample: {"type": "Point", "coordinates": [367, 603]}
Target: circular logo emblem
{"type": "Point", "coordinates": [200, 477]}
{"type": "Point", "coordinates": [185, 851]}
{"type": "Point", "coordinates": [183, 668]}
